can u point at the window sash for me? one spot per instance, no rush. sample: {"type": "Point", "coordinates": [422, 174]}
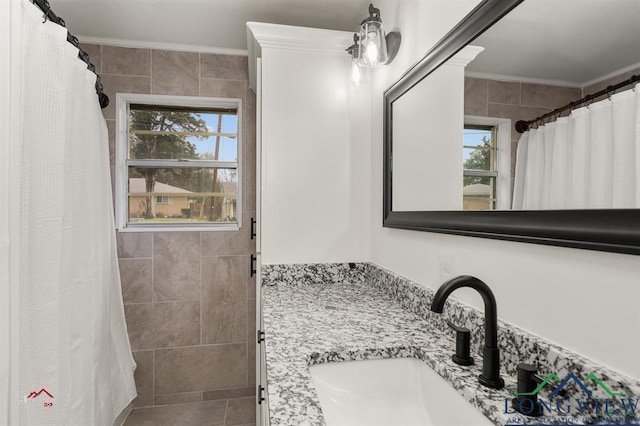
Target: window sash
{"type": "Point", "coordinates": [480, 173]}
{"type": "Point", "coordinates": [179, 164]}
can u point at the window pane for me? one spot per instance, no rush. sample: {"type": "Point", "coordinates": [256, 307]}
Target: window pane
{"type": "Point", "coordinates": [479, 193]}
{"type": "Point", "coordinates": [161, 133]}
{"type": "Point", "coordinates": [477, 159]}
{"type": "Point", "coordinates": [478, 148]}
{"type": "Point", "coordinates": [230, 123]}
{"type": "Point", "coordinates": [216, 148]}
{"type": "Point", "coordinates": [182, 195]}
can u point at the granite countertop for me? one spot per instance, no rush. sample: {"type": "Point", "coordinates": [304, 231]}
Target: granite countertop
{"type": "Point", "coordinates": [310, 323]}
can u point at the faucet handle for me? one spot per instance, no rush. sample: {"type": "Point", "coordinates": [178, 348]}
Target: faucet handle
{"type": "Point", "coordinates": [526, 400]}
{"type": "Point", "coordinates": [463, 345]}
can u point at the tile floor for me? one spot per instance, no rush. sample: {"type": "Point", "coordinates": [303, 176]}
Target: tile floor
{"type": "Point", "coordinates": [239, 412]}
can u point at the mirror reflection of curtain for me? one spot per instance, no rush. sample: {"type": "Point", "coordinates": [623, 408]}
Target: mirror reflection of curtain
{"type": "Point", "coordinates": [590, 159]}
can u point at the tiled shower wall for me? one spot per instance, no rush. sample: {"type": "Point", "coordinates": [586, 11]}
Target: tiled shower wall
{"type": "Point", "coordinates": [189, 300]}
{"type": "Point", "coordinates": [514, 100]}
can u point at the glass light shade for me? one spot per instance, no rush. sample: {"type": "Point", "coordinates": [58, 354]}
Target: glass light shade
{"type": "Point", "coordinates": [373, 45]}
{"type": "Point", "coordinates": [356, 75]}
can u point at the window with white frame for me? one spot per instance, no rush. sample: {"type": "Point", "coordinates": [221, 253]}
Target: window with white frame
{"type": "Point", "coordinates": [480, 168]}
{"type": "Point", "coordinates": [486, 156]}
{"type": "Point", "coordinates": [177, 162]}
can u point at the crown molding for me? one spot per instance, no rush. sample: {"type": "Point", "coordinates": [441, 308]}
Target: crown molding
{"type": "Point", "coordinates": [465, 56]}
{"type": "Point", "coordinates": [139, 44]}
{"type": "Point", "coordinates": [274, 36]}
{"type": "Point", "coordinates": [515, 79]}
{"type": "Point", "coordinates": [299, 38]}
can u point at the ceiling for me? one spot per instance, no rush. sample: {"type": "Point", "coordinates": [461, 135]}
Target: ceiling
{"type": "Point", "coordinates": [212, 24]}
{"type": "Point", "coordinates": [567, 42]}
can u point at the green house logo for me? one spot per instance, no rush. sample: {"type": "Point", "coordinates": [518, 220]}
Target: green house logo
{"type": "Point", "coordinates": [573, 378]}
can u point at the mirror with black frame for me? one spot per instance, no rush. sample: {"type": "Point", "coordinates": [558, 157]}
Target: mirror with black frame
{"type": "Point", "coordinates": [472, 173]}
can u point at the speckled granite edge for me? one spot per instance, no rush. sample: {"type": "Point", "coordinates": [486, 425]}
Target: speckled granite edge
{"type": "Point", "coordinates": [516, 345]}
{"type": "Point", "coordinates": [312, 273]}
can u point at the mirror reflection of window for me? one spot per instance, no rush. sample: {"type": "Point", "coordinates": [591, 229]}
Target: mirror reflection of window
{"type": "Point", "coordinates": [479, 155]}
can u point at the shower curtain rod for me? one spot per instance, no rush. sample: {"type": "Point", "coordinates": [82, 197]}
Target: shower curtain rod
{"type": "Point", "coordinates": [522, 125]}
{"type": "Point", "coordinates": [84, 56]}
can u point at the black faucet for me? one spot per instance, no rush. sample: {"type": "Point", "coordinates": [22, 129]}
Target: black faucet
{"type": "Point", "coordinates": [490, 376]}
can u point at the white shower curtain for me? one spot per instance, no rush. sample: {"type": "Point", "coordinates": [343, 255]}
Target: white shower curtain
{"type": "Point", "coordinates": [590, 159]}
{"type": "Point", "coordinates": [73, 341]}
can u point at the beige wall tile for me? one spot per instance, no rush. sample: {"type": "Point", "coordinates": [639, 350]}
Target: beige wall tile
{"type": "Point", "coordinates": [143, 378]}
{"type": "Point", "coordinates": [174, 73]}
{"type": "Point", "coordinates": [475, 96]}
{"type": "Point", "coordinates": [228, 67]}
{"type": "Point", "coordinates": [504, 92]}
{"type": "Point", "coordinates": [231, 242]}
{"type": "Point", "coordinates": [178, 323]}
{"type": "Point", "coordinates": [252, 341]}
{"type": "Point", "coordinates": [230, 393]}
{"type": "Point", "coordinates": [540, 95]}
{"type": "Point", "coordinates": [594, 88]}
{"type": "Point", "coordinates": [113, 84]}
{"type": "Point", "coordinates": [222, 88]}
{"type": "Point", "coordinates": [251, 287]}
{"type": "Point", "coordinates": [515, 113]}
{"type": "Point", "coordinates": [134, 244]}
{"type": "Point", "coordinates": [178, 398]}
{"type": "Point", "coordinates": [135, 275]}
{"type": "Point", "coordinates": [162, 325]}
{"type": "Point", "coordinates": [194, 414]}
{"type": "Point", "coordinates": [224, 299]}
{"type": "Point", "coordinates": [94, 52]}
{"type": "Point", "coordinates": [251, 366]}
{"type": "Point", "coordinates": [140, 325]}
{"type": "Point", "coordinates": [241, 411]}
{"type": "Point", "coordinates": [126, 61]}
{"type": "Point", "coordinates": [200, 368]}
{"type": "Point", "coordinates": [176, 266]}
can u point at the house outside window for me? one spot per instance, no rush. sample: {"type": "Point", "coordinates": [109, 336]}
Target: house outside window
{"type": "Point", "coordinates": [177, 163]}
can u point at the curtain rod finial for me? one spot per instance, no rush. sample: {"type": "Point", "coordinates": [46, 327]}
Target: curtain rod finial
{"type": "Point", "coordinates": [522, 126]}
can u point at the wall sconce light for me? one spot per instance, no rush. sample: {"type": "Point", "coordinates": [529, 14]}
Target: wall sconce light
{"type": "Point", "coordinates": [372, 47]}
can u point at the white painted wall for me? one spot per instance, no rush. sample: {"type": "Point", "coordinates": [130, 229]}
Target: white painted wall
{"type": "Point", "coordinates": [586, 301]}
{"type": "Point", "coordinates": [427, 163]}
{"type": "Point", "coordinates": [316, 171]}
{"type": "Point", "coordinates": [427, 157]}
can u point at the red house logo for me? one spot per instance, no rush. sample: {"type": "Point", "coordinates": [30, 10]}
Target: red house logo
{"type": "Point", "coordinates": [43, 396]}
{"type": "Point", "coordinates": [35, 394]}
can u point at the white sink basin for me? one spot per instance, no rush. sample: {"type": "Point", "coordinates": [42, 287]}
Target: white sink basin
{"type": "Point", "coordinates": [398, 391]}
